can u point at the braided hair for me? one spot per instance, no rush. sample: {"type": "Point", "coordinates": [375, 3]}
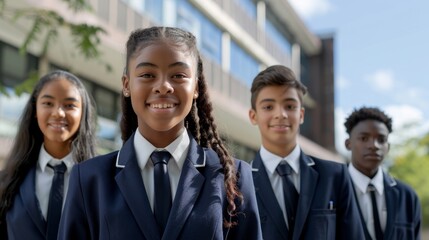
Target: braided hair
{"type": "Point", "coordinates": [199, 121]}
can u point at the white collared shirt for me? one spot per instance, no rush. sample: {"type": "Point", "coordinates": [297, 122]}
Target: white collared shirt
{"type": "Point", "coordinates": [45, 175]}
{"type": "Point", "coordinates": [178, 150]}
{"type": "Point", "coordinates": [361, 182]}
{"type": "Point", "coordinates": [271, 161]}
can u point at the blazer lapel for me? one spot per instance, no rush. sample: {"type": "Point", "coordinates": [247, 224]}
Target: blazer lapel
{"type": "Point", "coordinates": [31, 204]}
{"type": "Point", "coordinates": [131, 185]}
{"type": "Point", "coordinates": [266, 195]}
{"type": "Point", "coordinates": [188, 190]}
{"type": "Point", "coordinates": [308, 179]}
{"type": "Point", "coordinates": [391, 204]}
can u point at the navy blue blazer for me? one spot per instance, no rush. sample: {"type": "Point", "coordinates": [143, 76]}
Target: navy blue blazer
{"type": "Point", "coordinates": [24, 219]}
{"type": "Point", "coordinates": [107, 200]}
{"type": "Point", "coordinates": [321, 182]}
{"type": "Point", "coordinates": [404, 213]}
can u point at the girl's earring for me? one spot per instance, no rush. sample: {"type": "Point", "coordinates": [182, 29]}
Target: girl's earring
{"type": "Point", "coordinates": [126, 94]}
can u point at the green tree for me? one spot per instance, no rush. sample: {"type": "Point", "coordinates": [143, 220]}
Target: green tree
{"type": "Point", "coordinates": [411, 165]}
{"type": "Point", "coordinates": [45, 29]}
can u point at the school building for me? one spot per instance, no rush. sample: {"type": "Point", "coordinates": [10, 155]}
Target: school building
{"type": "Point", "coordinates": [237, 39]}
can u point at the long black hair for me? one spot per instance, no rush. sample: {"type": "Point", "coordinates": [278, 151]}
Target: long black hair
{"type": "Point", "coordinates": [29, 139]}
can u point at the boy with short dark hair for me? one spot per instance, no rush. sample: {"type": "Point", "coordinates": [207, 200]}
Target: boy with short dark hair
{"type": "Point", "coordinates": [299, 196]}
{"type": "Point", "coordinates": [397, 212]}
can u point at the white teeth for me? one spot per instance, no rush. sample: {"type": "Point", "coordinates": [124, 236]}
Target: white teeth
{"type": "Point", "coordinates": [58, 125]}
{"type": "Point", "coordinates": [162, 105]}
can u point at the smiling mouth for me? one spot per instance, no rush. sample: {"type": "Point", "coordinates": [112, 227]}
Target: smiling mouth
{"type": "Point", "coordinates": [280, 127]}
{"type": "Point", "coordinates": [58, 125]}
{"type": "Point", "coordinates": [162, 105]}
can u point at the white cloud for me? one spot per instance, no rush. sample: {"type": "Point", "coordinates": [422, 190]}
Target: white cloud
{"type": "Point", "coordinates": [310, 8]}
{"type": "Point", "coordinates": [342, 83]}
{"type": "Point", "coordinates": [408, 122]}
{"type": "Point", "coordinates": [382, 80]}
{"type": "Point", "coordinates": [415, 96]}
{"type": "Point", "coordinates": [340, 131]}
{"type": "Point", "coordinates": [403, 115]}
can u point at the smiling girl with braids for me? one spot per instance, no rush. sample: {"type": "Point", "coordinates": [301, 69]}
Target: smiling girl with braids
{"type": "Point", "coordinates": [166, 111]}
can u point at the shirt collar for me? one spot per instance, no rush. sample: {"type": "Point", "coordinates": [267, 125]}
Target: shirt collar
{"type": "Point", "coordinates": [178, 149]}
{"type": "Point", "coordinates": [361, 181]}
{"type": "Point", "coordinates": [45, 158]}
{"type": "Point", "coordinates": [271, 161]}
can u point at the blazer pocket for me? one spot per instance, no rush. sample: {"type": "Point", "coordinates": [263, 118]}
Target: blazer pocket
{"type": "Point", "coordinates": [322, 224]}
{"type": "Point", "coordinates": [403, 230]}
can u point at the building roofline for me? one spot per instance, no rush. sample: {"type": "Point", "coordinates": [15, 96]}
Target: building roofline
{"type": "Point", "coordinates": [309, 42]}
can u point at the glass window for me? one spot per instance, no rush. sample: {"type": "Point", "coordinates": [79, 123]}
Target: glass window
{"type": "Point", "coordinates": [88, 85]}
{"type": "Point", "coordinates": [305, 78]}
{"type": "Point", "coordinates": [154, 8]}
{"type": "Point", "coordinates": [211, 41]}
{"type": "Point", "coordinates": [10, 111]}
{"type": "Point", "coordinates": [108, 129]}
{"type": "Point", "coordinates": [15, 67]}
{"type": "Point", "coordinates": [277, 36]}
{"type": "Point", "coordinates": [137, 5]}
{"type": "Point", "coordinates": [12, 105]}
{"type": "Point", "coordinates": [106, 102]}
{"type": "Point", "coordinates": [186, 19]}
{"type": "Point", "coordinates": [14, 70]}
{"type": "Point", "coordinates": [243, 66]}
{"type": "Point", "coordinates": [209, 36]}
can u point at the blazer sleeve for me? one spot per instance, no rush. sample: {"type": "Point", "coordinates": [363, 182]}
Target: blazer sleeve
{"type": "Point", "coordinates": [248, 226]}
{"type": "Point", "coordinates": [349, 224]}
{"type": "Point", "coordinates": [73, 223]}
{"type": "Point", "coordinates": [417, 218]}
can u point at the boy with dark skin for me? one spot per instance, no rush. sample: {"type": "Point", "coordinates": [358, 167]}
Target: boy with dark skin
{"type": "Point", "coordinates": [310, 198]}
{"type": "Point", "coordinates": [397, 214]}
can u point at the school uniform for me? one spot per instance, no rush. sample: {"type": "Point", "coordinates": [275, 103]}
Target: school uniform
{"type": "Point", "coordinates": [108, 198]}
{"type": "Point", "coordinates": [326, 208]}
{"type": "Point", "coordinates": [26, 219]}
{"type": "Point", "coordinates": [398, 206]}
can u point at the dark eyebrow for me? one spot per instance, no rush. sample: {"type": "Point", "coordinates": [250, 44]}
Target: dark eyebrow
{"type": "Point", "coordinates": [47, 96]}
{"type": "Point", "coordinates": [179, 64]}
{"type": "Point", "coordinates": [148, 64]}
{"type": "Point", "coordinates": [272, 100]}
{"type": "Point", "coordinates": [145, 64]}
{"type": "Point", "coordinates": [367, 133]}
{"type": "Point", "coordinates": [266, 100]}
{"type": "Point", "coordinates": [67, 99]}
{"type": "Point", "coordinates": [71, 99]}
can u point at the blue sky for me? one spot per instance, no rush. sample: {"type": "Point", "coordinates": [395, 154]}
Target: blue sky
{"type": "Point", "coordinates": [381, 58]}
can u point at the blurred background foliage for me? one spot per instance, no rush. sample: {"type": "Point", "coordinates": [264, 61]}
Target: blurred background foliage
{"type": "Point", "coordinates": [411, 165]}
{"type": "Point", "coordinates": [45, 27]}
